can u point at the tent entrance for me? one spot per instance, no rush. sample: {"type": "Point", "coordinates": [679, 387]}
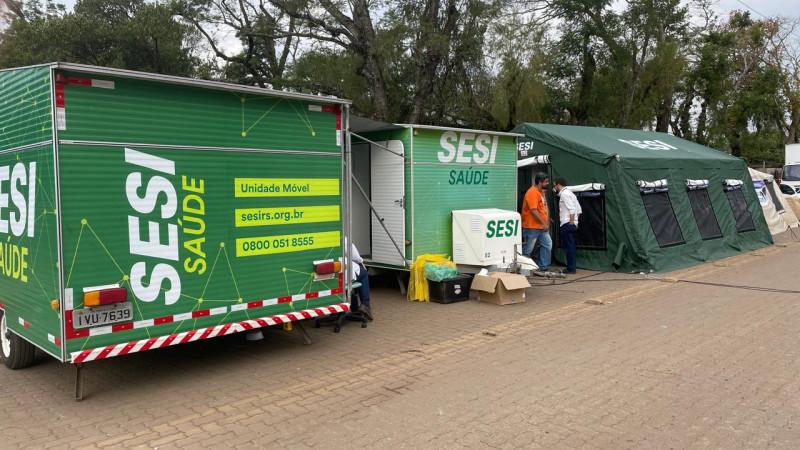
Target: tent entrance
{"type": "Point", "coordinates": [592, 229]}
{"type": "Point", "coordinates": [774, 195]}
{"type": "Point", "coordinates": [526, 174]}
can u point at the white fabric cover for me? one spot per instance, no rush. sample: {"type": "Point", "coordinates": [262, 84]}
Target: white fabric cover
{"type": "Point", "coordinates": [652, 184]}
{"type": "Point", "coordinates": [697, 184]}
{"type": "Point", "coordinates": [733, 183]}
{"type": "Point", "coordinates": [533, 160]}
{"type": "Point", "coordinates": [587, 187]}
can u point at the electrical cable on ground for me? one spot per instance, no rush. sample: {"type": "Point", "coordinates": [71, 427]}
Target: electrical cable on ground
{"type": "Point", "coordinates": [585, 279]}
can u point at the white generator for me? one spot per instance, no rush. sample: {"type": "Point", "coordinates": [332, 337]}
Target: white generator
{"type": "Point", "coordinates": [484, 237]}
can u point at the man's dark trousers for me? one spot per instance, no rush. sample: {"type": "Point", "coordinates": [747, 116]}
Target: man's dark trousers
{"type": "Point", "coordinates": [568, 234]}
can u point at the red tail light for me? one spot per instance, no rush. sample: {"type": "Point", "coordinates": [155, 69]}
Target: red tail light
{"type": "Point", "coordinates": [105, 297]}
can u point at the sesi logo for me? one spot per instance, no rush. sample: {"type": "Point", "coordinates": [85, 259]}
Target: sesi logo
{"type": "Point", "coordinates": [648, 145]}
{"type": "Point", "coordinates": [18, 187]}
{"type": "Point", "coordinates": [150, 193]}
{"type": "Point", "coordinates": [502, 228]}
{"type": "Point", "coordinates": [467, 148]}
{"type": "Point", "coordinates": [523, 147]}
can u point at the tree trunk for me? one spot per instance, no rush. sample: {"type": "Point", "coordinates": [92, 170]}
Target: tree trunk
{"type": "Point", "coordinates": [588, 67]}
{"type": "Point", "coordinates": [793, 135]}
{"type": "Point", "coordinates": [665, 115]}
{"type": "Point", "coordinates": [433, 44]}
{"type": "Point", "coordinates": [365, 45]}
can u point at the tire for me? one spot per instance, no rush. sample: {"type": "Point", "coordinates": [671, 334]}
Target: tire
{"type": "Point", "coordinates": [17, 353]}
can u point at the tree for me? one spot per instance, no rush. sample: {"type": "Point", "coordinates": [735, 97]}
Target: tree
{"type": "Point", "coordinates": [735, 90]}
{"type": "Point", "coordinates": [404, 49]}
{"type": "Point", "coordinates": [130, 34]}
{"type": "Point", "coordinates": [784, 56]}
{"type": "Point", "coordinates": [266, 34]}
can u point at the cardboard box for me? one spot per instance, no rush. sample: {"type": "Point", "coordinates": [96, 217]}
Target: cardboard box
{"type": "Point", "coordinates": [500, 288]}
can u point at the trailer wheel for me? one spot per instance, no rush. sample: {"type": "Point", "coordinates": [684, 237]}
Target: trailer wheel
{"type": "Point", "coordinates": [17, 353]}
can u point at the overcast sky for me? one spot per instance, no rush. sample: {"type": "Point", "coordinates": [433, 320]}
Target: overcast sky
{"type": "Point", "coordinates": [788, 8]}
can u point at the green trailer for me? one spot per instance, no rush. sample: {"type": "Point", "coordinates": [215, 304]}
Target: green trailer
{"type": "Point", "coordinates": [140, 211]}
{"type": "Point", "coordinates": [409, 179]}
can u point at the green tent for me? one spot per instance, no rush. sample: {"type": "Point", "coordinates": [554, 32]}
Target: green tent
{"type": "Point", "coordinates": [651, 201]}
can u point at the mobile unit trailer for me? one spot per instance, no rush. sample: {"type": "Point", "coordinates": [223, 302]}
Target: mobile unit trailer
{"type": "Point", "coordinates": [140, 211]}
{"type": "Point", "coordinates": [415, 176]}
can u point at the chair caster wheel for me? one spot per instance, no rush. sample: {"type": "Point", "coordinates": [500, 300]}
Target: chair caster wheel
{"type": "Point", "coordinates": [363, 325]}
{"type": "Point", "coordinates": [337, 329]}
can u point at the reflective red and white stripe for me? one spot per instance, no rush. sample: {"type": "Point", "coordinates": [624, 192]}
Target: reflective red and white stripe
{"type": "Point", "coordinates": [99, 331]}
{"type": "Point", "coordinates": [333, 109]}
{"type": "Point", "coordinates": [202, 333]}
{"type": "Point", "coordinates": [54, 340]}
{"type": "Point", "coordinates": [63, 80]}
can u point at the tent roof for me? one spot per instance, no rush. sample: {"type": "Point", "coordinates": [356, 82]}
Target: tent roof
{"type": "Point", "coordinates": [603, 144]}
{"type": "Point", "coordinates": [757, 175]}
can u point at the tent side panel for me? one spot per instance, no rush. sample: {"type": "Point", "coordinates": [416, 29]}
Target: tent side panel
{"type": "Point", "coordinates": [28, 232]}
{"type": "Point", "coordinates": [458, 170]}
{"type": "Point", "coordinates": [695, 250]}
{"type": "Point", "coordinates": [200, 237]}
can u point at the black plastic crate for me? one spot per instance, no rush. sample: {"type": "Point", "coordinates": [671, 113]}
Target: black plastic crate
{"type": "Point", "coordinates": [451, 290]}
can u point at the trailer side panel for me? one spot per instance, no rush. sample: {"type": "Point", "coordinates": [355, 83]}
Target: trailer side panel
{"type": "Point", "coordinates": [205, 221]}
{"type": "Point", "coordinates": [28, 250]}
{"type": "Point", "coordinates": [457, 170]}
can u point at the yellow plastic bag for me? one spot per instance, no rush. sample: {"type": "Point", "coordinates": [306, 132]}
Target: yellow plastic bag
{"type": "Point", "coordinates": [417, 283]}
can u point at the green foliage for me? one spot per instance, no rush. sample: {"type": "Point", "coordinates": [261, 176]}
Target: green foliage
{"type": "Point", "coordinates": [731, 83]}
{"type": "Point", "coordinates": [131, 34]}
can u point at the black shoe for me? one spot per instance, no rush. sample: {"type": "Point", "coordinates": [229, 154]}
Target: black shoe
{"type": "Point", "coordinates": [366, 311]}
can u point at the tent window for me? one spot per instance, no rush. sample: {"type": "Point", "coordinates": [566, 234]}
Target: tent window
{"type": "Point", "coordinates": [592, 230]}
{"type": "Point", "coordinates": [744, 220]}
{"type": "Point", "coordinates": [662, 216]}
{"type": "Point", "coordinates": [775, 199]}
{"type": "Point", "coordinates": [704, 214]}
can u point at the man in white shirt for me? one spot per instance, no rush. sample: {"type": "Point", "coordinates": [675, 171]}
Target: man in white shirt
{"type": "Point", "coordinates": [360, 275]}
{"type": "Point", "coordinates": [569, 210]}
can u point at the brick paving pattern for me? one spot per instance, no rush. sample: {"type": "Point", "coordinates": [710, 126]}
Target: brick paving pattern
{"type": "Point", "coordinates": [594, 364]}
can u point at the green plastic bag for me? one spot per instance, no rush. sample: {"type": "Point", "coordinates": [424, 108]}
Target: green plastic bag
{"type": "Point", "coordinates": [440, 271]}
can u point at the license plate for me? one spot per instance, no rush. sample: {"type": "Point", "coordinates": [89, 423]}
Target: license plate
{"type": "Point", "coordinates": [102, 315]}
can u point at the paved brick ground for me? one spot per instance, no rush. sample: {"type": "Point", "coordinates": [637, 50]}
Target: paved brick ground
{"type": "Point", "coordinates": [656, 365]}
